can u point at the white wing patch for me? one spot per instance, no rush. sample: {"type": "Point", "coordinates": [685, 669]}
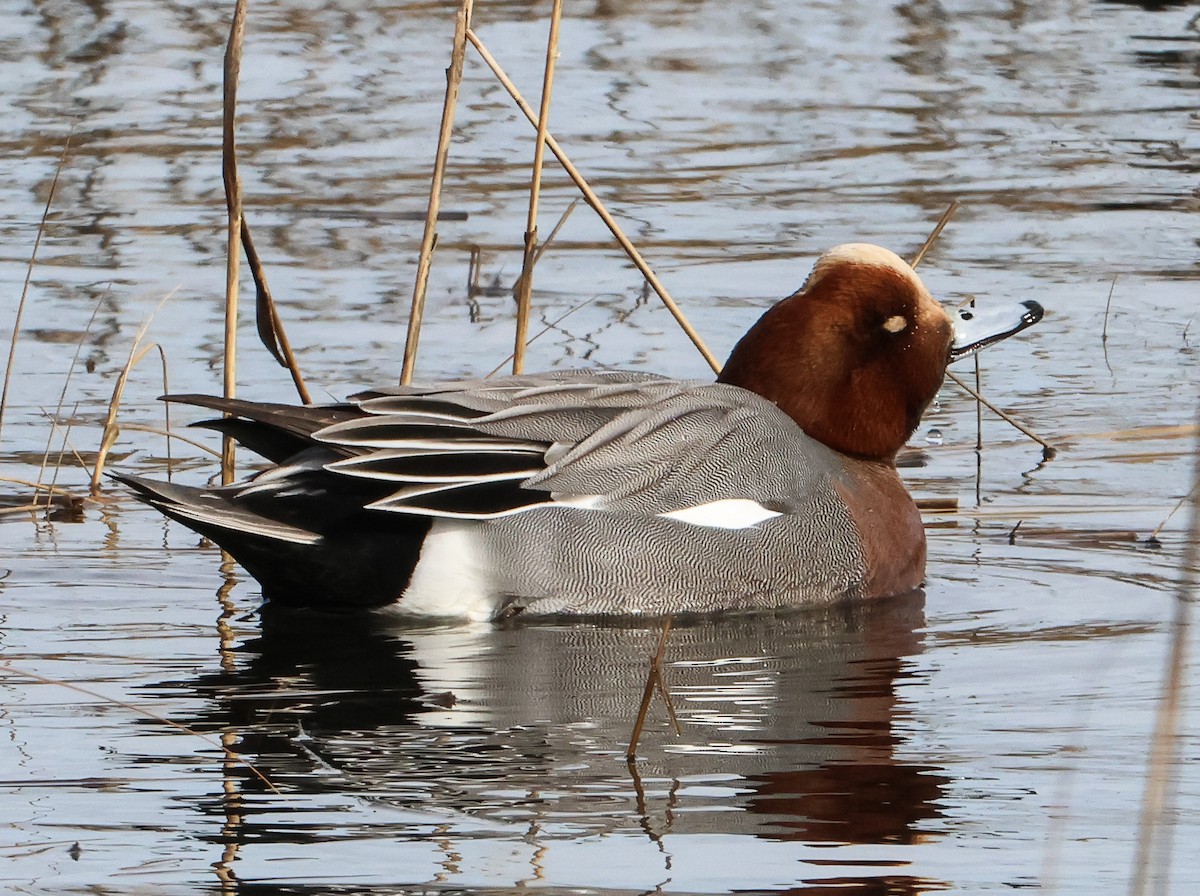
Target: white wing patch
{"type": "Point", "coordinates": [729, 513]}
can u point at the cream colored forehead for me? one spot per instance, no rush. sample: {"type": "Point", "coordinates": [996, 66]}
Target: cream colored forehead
{"type": "Point", "coordinates": [868, 254]}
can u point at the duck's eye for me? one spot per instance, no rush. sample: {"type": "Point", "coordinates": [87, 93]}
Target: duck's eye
{"type": "Point", "coordinates": [895, 323]}
{"type": "Point", "coordinates": [965, 315]}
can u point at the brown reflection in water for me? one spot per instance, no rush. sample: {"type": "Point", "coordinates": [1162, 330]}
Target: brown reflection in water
{"type": "Point", "coordinates": [864, 792]}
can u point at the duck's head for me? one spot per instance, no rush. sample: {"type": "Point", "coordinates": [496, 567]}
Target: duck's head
{"type": "Point", "coordinates": [859, 352]}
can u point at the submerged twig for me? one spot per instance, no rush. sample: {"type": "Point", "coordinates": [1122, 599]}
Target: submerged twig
{"type": "Point", "coordinates": [462, 24]}
{"type": "Point", "coordinates": [525, 282]}
{"type": "Point", "coordinates": [37, 242]}
{"type": "Point", "coordinates": [653, 679]}
{"type": "Point", "coordinates": [593, 200]}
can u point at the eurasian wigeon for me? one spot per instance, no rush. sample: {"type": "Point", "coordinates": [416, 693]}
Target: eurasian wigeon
{"type": "Point", "coordinates": [608, 492]}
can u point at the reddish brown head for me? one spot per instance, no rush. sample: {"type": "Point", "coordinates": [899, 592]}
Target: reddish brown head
{"type": "Point", "coordinates": [854, 357]}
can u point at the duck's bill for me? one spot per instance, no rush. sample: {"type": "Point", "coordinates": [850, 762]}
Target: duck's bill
{"type": "Point", "coordinates": [975, 329]}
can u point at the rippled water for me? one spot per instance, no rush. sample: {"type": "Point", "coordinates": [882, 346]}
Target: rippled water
{"type": "Point", "coordinates": [987, 735]}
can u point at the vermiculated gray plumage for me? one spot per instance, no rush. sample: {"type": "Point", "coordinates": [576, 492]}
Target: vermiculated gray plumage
{"type": "Point", "coordinates": [558, 481]}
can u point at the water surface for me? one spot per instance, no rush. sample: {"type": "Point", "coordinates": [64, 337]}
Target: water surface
{"type": "Point", "coordinates": [987, 735]}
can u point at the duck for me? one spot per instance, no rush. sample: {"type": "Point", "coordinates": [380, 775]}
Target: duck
{"type": "Point", "coordinates": [610, 493]}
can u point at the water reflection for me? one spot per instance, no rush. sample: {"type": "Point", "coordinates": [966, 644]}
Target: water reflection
{"type": "Point", "coordinates": [794, 729]}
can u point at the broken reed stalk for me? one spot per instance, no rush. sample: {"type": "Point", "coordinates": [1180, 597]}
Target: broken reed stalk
{"type": "Point", "coordinates": [144, 713]}
{"type": "Point", "coordinates": [233, 203]}
{"type": "Point", "coordinates": [653, 679]}
{"type": "Point", "coordinates": [1048, 450]}
{"type": "Point", "coordinates": [458, 52]}
{"type": "Point", "coordinates": [593, 200]}
{"type": "Point", "coordinates": [525, 283]}
{"type": "Point", "coordinates": [1154, 827]}
{"type": "Point", "coordinates": [37, 242]}
{"type": "Point", "coordinates": [935, 233]}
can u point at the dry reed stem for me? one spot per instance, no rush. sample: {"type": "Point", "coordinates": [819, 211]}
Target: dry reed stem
{"type": "Point", "coordinates": [593, 200]}
{"type": "Point", "coordinates": [653, 679]}
{"type": "Point", "coordinates": [935, 233]}
{"type": "Point", "coordinates": [37, 486]}
{"type": "Point", "coordinates": [1048, 450]}
{"type": "Point", "coordinates": [170, 434]}
{"type": "Point", "coordinates": [166, 382]}
{"type": "Point", "coordinates": [66, 443]}
{"type": "Point", "coordinates": [109, 434]}
{"type": "Point", "coordinates": [979, 432]}
{"type": "Point", "coordinates": [525, 282]}
{"type": "Point", "coordinates": [145, 713]}
{"type": "Point", "coordinates": [21, 508]}
{"type": "Point", "coordinates": [37, 242]}
{"type": "Point", "coordinates": [62, 395]}
{"type": "Point", "coordinates": [233, 203]}
{"type": "Point", "coordinates": [1154, 828]}
{"type": "Point", "coordinates": [62, 453]}
{"type": "Point", "coordinates": [458, 52]}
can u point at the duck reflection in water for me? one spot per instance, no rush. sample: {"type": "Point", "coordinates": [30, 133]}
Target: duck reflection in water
{"type": "Point", "coordinates": [800, 718]}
